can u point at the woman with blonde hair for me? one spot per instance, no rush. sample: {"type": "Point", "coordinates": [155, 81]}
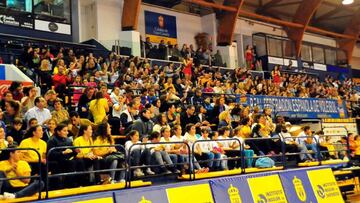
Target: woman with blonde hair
{"type": "Point", "coordinates": [224, 119]}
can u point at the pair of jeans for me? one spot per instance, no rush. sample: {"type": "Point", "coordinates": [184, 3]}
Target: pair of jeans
{"type": "Point", "coordinates": [19, 192]}
{"type": "Point", "coordinates": [161, 158]}
{"type": "Point", "coordinates": [211, 159]}
{"type": "Point", "coordinates": [314, 148]}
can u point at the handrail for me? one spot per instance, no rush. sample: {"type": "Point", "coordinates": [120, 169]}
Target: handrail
{"type": "Point", "coordinates": [22, 177]}
{"type": "Point", "coordinates": [117, 146]}
{"type": "Point", "coordinates": [144, 144]}
{"type": "Point", "coordinates": [220, 159]}
{"type": "Point", "coordinates": [282, 155]}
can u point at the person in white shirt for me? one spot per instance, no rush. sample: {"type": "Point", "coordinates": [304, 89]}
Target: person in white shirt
{"type": "Point", "coordinates": [305, 138]}
{"type": "Point", "coordinates": [205, 151]}
{"type": "Point", "coordinates": [248, 153]}
{"type": "Point", "coordinates": [135, 153]}
{"type": "Point", "coordinates": [169, 148]}
{"type": "Point", "coordinates": [39, 111]}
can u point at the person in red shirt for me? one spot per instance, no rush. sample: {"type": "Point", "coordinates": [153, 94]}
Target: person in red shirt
{"type": "Point", "coordinates": [60, 80]}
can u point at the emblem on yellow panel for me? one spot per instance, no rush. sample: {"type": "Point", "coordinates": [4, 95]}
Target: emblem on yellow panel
{"type": "Point", "coordinates": [299, 189]}
{"type": "Point", "coordinates": [234, 195]}
{"type": "Point", "coordinates": [143, 200]}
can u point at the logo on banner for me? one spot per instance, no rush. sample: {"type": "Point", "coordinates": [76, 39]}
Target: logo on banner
{"type": "Point", "coordinates": [324, 186]}
{"type": "Point", "coordinates": [53, 27]}
{"type": "Point", "coordinates": [143, 200]}
{"type": "Point", "coordinates": [267, 189]}
{"type": "Point", "coordinates": [299, 189]}
{"type": "Point", "coordinates": [234, 195]}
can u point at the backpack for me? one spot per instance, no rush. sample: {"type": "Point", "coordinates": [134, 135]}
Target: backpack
{"type": "Point", "coordinates": [264, 162]}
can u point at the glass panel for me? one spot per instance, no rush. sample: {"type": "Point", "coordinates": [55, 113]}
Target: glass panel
{"type": "Point", "coordinates": [16, 5]}
{"type": "Point", "coordinates": [341, 57]}
{"type": "Point", "coordinates": [330, 56]}
{"type": "Point", "coordinates": [275, 47]}
{"type": "Point", "coordinates": [288, 49]}
{"type": "Point", "coordinates": [306, 52]}
{"type": "Point", "coordinates": [259, 45]}
{"type": "Point", "coordinates": [318, 55]}
{"type": "Point", "coordinates": [53, 10]}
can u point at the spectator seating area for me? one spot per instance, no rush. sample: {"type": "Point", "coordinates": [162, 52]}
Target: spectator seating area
{"type": "Point", "coordinates": [115, 119]}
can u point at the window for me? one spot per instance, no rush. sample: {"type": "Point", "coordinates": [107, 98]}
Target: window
{"type": "Point", "coordinates": [330, 56]}
{"type": "Point", "coordinates": [288, 49]}
{"type": "Point", "coordinates": [53, 10]}
{"type": "Point", "coordinates": [275, 47]}
{"type": "Point", "coordinates": [259, 43]}
{"type": "Point", "coordinates": [318, 54]}
{"type": "Point", "coordinates": [306, 52]}
{"type": "Point", "coordinates": [17, 5]}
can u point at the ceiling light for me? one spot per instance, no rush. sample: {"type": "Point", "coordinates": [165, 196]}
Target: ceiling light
{"type": "Point", "coordinates": [347, 2]}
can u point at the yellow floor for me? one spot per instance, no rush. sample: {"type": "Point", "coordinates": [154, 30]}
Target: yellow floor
{"type": "Point", "coordinates": [81, 190]}
{"type": "Point", "coordinates": [327, 162]}
{"type": "Point", "coordinates": [255, 170]}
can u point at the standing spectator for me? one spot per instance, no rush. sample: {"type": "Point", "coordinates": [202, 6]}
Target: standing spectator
{"type": "Point", "coordinates": [249, 57]}
{"type": "Point", "coordinates": [99, 108]}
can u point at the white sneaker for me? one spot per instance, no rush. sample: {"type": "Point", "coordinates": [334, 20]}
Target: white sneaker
{"type": "Point", "coordinates": [9, 195]}
{"type": "Point", "coordinates": [149, 171]}
{"type": "Point", "coordinates": [138, 173]}
{"type": "Point", "coordinates": [1, 197]}
{"type": "Point", "coordinates": [122, 181]}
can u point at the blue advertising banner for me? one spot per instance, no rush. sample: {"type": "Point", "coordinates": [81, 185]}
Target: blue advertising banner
{"type": "Point", "coordinates": [297, 186]}
{"type": "Point", "coordinates": [160, 27]}
{"type": "Point", "coordinates": [295, 107]}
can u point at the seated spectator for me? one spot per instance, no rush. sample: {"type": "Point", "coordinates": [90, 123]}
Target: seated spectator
{"type": "Point", "coordinates": [28, 101]}
{"type": "Point", "coordinates": [188, 117]}
{"type": "Point", "coordinates": [306, 138]}
{"type": "Point", "coordinates": [39, 111]}
{"type": "Point", "coordinates": [161, 121]}
{"type": "Point", "coordinates": [33, 140]}
{"type": "Point", "coordinates": [16, 88]}
{"type": "Point", "coordinates": [111, 157]}
{"type": "Point", "coordinates": [85, 98]}
{"type": "Point", "coordinates": [15, 131]}
{"type": "Point", "coordinates": [135, 153]}
{"type": "Point", "coordinates": [13, 111]}
{"type": "Point", "coordinates": [143, 125]}
{"type": "Point", "coordinates": [59, 114]}
{"type": "Point", "coordinates": [3, 142]}
{"type": "Point", "coordinates": [248, 153]}
{"type": "Point", "coordinates": [61, 160]}
{"type": "Point", "coordinates": [49, 129]}
{"type": "Point", "coordinates": [77, 122]}
{"type": "Point", "coordinates": [7, 96]}
{"type": "Point", "coordinates": [14, 167]}
{"type": "Point", "coordinates": [50, 98]}
{"type": "Point", "coordinates": [205, 151]}
{"type": "Point", "coordinates": [86, 158]}
{"type": "Point", "coordinates": [155, 154]}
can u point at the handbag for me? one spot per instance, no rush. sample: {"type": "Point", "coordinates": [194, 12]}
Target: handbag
{"type": "Point", "coordinates": [115, 156]}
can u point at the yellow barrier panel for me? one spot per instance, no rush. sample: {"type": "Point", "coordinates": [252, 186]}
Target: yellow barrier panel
{"type": "Point", "coordinates": [195, 194]}
{"type": "Point", "coordinates": [267, 189]}
{"type": "Point", "coordinates": [324, 185]}
{"type": "Point", "coordinates": [100, 200]}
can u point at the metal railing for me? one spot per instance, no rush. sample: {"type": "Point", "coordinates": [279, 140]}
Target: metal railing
{"type": "Point", "coordinates": [130, 167]}
{"type": "Point", "coordinates": [117, 146]}
{"type": "Point", "coordinates": [220, 159]}
{"type": "Point", "coordinates": [25, 177]}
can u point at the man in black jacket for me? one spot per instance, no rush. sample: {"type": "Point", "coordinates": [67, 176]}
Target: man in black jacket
{"type": "Point", "coordinates": [144, 124]}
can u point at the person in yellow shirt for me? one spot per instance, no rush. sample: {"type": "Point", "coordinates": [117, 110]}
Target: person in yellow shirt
{"type": "Point", "coordinates": [13, 167]}
{"type": "Point", "coordinates": [99, 107]}
{"type": "Point", "coordinates": [112, 159]}
{"type": "Point", "coordinates": [34, 141]}
{"type": "Point", "coordinates": [357, 145]}
{"type": "Point", "coordinates": [86, 159]}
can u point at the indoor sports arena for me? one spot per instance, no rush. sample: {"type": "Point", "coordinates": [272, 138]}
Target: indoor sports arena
{"type": "Point", "coordinates": [180, 101]}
